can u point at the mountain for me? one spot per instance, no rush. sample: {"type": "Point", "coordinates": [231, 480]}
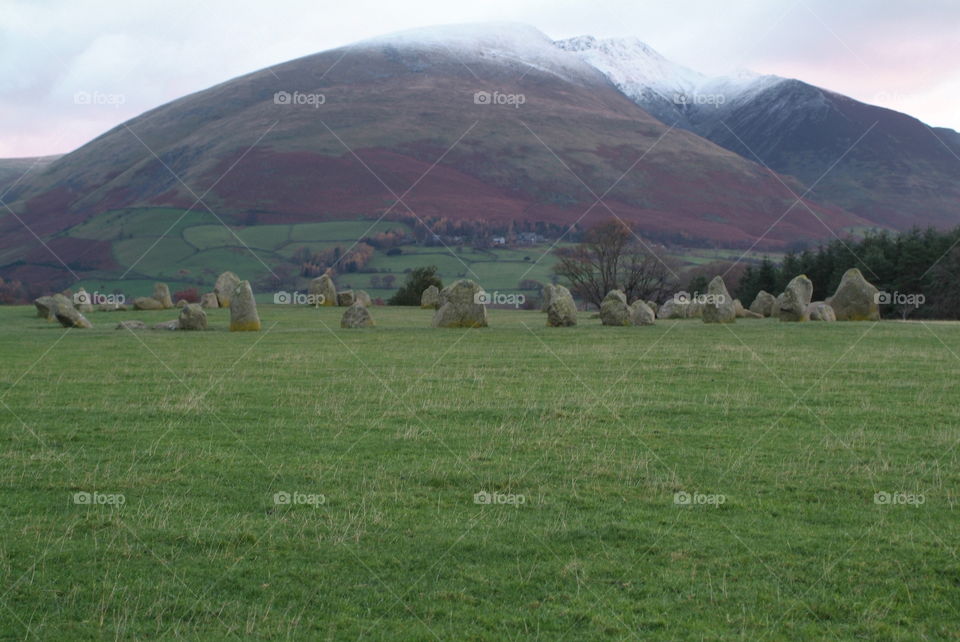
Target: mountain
{"type": "Point", "coordinates": [13, 170]}
{"type": "Point", "coordinates": [888, 167]}
{"type": "Point", "coordinates": [546, 134]}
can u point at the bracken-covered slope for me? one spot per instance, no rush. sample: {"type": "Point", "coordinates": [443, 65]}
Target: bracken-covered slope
{"type": "Point", "coordinates": [401, 112]}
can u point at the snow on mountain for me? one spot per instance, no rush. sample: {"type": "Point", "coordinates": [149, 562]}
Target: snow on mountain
{"type": "Point", "coordinates": [673, 93]}
{"type": "Point", "coordinates": [515, 45]}
{"type": "Point", "coordinates": [635, 68]}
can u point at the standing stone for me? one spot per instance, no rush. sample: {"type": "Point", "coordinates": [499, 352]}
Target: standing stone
{"type": "Point", "coordinates": [653, 306]}
{"type": "Point", "coordinates": [146, 303]}
{"type": "Point", "coordinates": [209, 300]}
{"type": "Point", "coordinates": [111, 307]}
{"type": "Point", "coordinates": [614, 309]}
{"type": "Point", "coordinates": [430, 299]}
{"type": "Point", "coordinates": [562, 311]}
{"type": "Point", "coordinates": [182, 303]}
{"type": "Point", "coordinates": [345, 298]}
{"type": "Point", "coordinates": [357, 316]}
{"type": "Point", "coordinates": [243, 309]}
{"type": "Point", "coordinates": [323, 286]}
{"type": "Point", "coordinates": [718, 306]}
{"type": "Point", "coordinates": [363, 297]}
{"type": "Point", "coordinates": [192, 317]}
{"type": "Point", "coordinates": [642, 314]}
{"type": "Point", "coordinates": [672, 309]}
{"type": "Point", "coordinates": [855, 298]}
{"type": "Point", "coordinates": [820, 311]}
{"type": "Point", "coordinates": [694, 310]}
{"type": "Point", "coordinates": [161, 292]}
{"type": "Point", "coordinates": [796, 298]}
{"type": "Point", "coordinates": [70, 317]}
{"type": "Point", "coordinates": [776, 305]}
{"type": "Point", "coordinates": [763, 303]}
{"type": "Point", "coordinates": [459, 307]}
{"type": "Point", "coordinates": [549, 292]}
{"type": "Point", "coordinates": [82, 301]}
{"type": "Point", "coordinates": [224, 288]}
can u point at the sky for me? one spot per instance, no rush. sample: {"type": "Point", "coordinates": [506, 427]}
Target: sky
{"type": "Point", "coordinates": [72, 69]}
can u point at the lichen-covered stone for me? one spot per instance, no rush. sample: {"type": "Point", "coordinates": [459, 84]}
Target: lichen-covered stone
{"type": "Point", "coordinates": [459, 307]}
{"type": "Point", "coordinates": [243, 309]}
{"type": "Point", "coordinates": [796, 298]}
{"type": "Point", "coordinates": [855, 298]}
{"type": "Point", "coordinates": [718, 305]}
{"type": "Point", "coordinates": [224, 288]}
{"type": "Point", "coordinates": [562, 311]}
{"type": "Point", "coordinates": [356, 316]}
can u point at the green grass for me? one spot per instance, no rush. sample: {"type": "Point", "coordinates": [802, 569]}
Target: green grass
{"type": "Point", "coordinates": [798, 426]}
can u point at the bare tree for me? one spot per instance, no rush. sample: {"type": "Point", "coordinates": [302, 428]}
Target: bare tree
{"type": "Point", "coordinates": [611, 257]}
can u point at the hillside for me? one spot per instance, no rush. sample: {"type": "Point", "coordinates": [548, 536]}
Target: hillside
{"type": "Point", "coordinates": [392, 107]}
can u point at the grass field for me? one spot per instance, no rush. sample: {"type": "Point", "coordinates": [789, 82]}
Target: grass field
{"type": "Point", "coordinates": [783, 434]}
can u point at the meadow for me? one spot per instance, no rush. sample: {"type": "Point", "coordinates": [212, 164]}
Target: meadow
{"type": "Point", "coordinates": [680, 481]}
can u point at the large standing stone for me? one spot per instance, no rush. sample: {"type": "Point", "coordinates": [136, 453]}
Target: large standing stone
{"type": "Point", "coordinates": [718, 305]}
{"type": "Point", "coordinates": [161, 292]}
{"type": "Point", "coordinates": [653, 306]}
{"type": "Point", "coordinates": [855, 298]}
{"type": "Point", "coordinates": [363, 297]}
{"type": "Point", "coordinates": [459, 307]}
{"type": "Point", "coordinates": [243, 309]}
{"type": "Point", "coordinates": [192, 317]}
{"type": "Point", "coordinates": [345, 298]}
{"type": "Point", "coordinates": [430, 298]}
{"type": "Point", "coordinates": [820, 311]}
{"type": "Point", "coordinates": [548, 293]}
{"type": "Point", "coordinates": [146, 303]}
{"type": "Point", "coordinates": [323, 286]}
{"type": "Point", "coordinates": [614, 309]}
{"type": "Point", "coordinates": [763, 303]}
{"type": "Point", "coordinates": [562, 311]}
{"type": "Point", "coordinates": [642, 314]}
{"type": "Point", "coordinates": [70, 317]}
{"type": "Point", "coordinates": [209, 300]}
{"type": "Point", "coordinates": [796, 298]}
{"type": "Point", "coordinates": [224, 288]}
{"type": "Point", "coordinates": [356, 316]}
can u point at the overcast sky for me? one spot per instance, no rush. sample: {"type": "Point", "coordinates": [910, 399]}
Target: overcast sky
{"type": "Point", "coordinates": [135, 55]}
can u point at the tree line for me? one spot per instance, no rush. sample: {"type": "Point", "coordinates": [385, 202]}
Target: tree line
{"type": "Point", "coordinates": [918, 261]}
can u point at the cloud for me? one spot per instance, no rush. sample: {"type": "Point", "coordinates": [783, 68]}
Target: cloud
{"type": "Point", "coordinates": [900, 55]}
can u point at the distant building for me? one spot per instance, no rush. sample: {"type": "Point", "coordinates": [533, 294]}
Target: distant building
{"type": "Point", "coordinates": [499, 240]}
